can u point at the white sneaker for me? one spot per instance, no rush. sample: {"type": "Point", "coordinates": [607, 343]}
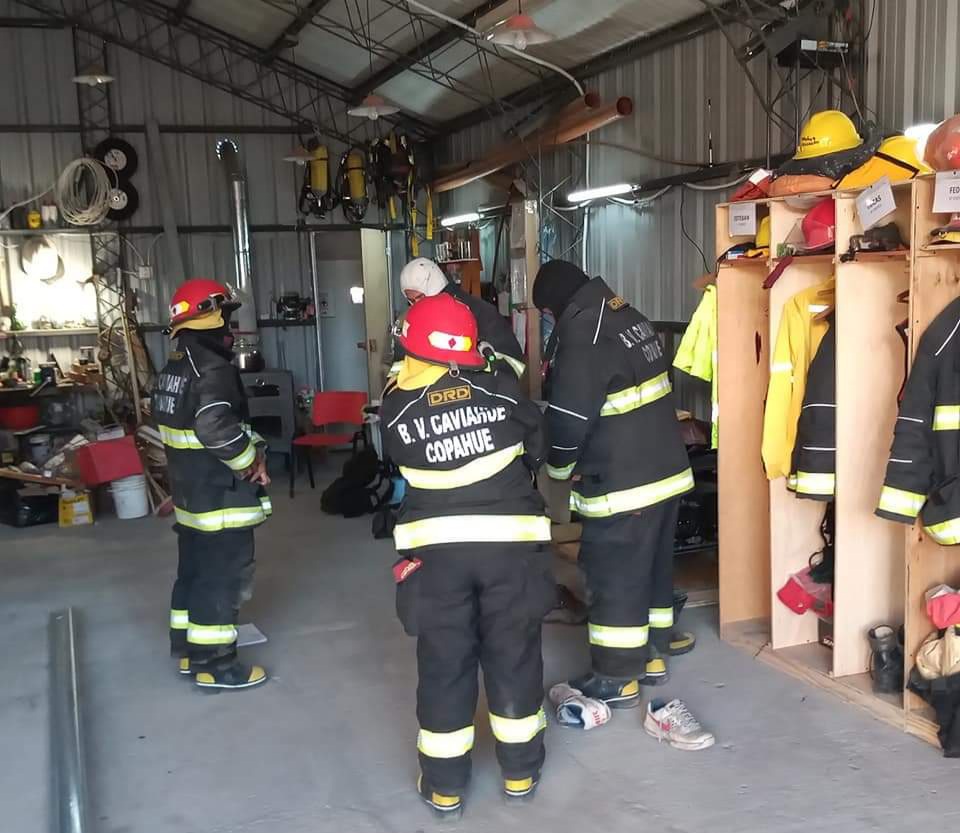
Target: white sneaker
{"type": "Point", "coordinates": [672, 722]}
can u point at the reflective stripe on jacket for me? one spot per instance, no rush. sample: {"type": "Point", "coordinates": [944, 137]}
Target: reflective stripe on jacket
{"type": "Point", "coordinates": [466, 444]}
{"type": "Point", "coordinates": [200, 409]}
{"type": "Point", "coordinates": [611, 417]}
{"type": "Point", "coordinates": [924, 465]}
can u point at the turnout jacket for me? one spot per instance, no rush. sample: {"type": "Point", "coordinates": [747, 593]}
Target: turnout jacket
{"type": "Point", "coordinates": [611, 418]}
{"type": "Point", "coordinates": [200, 409]}
{"type": "Point", "coordinates": [924, 464]}
{"type": "Point", "coordinates": [815, 453]}
{"type": "Point", "coordinates": [466, 445]}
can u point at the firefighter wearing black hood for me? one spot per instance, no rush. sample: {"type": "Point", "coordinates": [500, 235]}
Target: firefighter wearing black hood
{"type": "Point", "coordinates": [217, 467]}
{"type": "Point", "coordinates": [612, 427]}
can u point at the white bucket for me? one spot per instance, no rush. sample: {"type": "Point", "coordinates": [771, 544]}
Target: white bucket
{"type": "Point", "coordinates": [130, 496]}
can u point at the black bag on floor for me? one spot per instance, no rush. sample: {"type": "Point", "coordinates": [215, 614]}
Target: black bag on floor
{"type": "Point", "coordinates": [352, 494]}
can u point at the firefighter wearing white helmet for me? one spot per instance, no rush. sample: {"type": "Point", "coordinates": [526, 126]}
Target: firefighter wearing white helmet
{"type": "Point", "coordinates": [422, 278]}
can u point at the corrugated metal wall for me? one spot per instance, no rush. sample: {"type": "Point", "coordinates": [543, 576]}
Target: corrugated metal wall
{"type": "Point", "coordinates": [37, 65]}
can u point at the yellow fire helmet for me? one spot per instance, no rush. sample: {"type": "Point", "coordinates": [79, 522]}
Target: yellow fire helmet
{"type": "Point", "coordinates": [896, 158]}
{"type": "Point", "coordinates": [761, 246]}
{"type": "Point", "coordinates": [828, 131]}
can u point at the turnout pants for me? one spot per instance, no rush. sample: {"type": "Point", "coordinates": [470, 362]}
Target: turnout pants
{"type": "Point", "coordinates": [214, 575]}
{"type": "Point", "coordinates": [476, 606]}
{"type": "Point", "coordinates": [628, 563]}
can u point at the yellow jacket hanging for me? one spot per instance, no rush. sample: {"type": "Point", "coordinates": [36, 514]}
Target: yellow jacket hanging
{"type": "Point", "coordinates": [697, 353]}
{"type": "Point", "coordinates": [798, 338]}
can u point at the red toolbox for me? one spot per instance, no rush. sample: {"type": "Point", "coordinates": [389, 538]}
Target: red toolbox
{"type": "Point", "coordinates": [108, 460]}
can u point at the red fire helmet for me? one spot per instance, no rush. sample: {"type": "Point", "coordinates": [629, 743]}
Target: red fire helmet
{"type": "Point", "coordinates": [442, 330]}
{"type": "Point", "coordinates": [197, 305]}
{"type": "Point", "coordinates": [819, 226]}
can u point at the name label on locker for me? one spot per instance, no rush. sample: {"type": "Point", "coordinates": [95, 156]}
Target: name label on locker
{"type": "Point", "coordinates": [875, 203]}
{"type": "Point", "coordinates": [946, 192]}
{"type": "Point", "coordinates": [742, 219]}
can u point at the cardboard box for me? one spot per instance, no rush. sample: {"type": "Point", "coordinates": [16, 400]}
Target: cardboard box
{"type": "Point", "coordinates": [75, 508]}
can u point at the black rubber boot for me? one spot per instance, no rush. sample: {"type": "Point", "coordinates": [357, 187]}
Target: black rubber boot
{"type": "Point", "coordinates": [681, 642]}
{"type": "Point", "coordinates": [887, 660]}
{"type": "Point", "coordinates": [657, 673]}
{"type": "Point", "coordinates": [444, 806]}
{"type": "Point", "coordinates": [617, 694]}
{"type": "Point", "coordinates": [236, 675]}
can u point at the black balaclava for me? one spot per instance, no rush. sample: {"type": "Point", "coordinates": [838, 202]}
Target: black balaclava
{"type": "Point", "coordinates": [556, 283]}
{"type": "Point", "coordinates": [219, 340]}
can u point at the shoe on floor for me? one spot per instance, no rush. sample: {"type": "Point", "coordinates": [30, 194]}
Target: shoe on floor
{"type": "Point", "coordinates": [681, 642]}
{"type": "Point", "coordinates": [183, 665]}
{"type": "Point", "coordinates": [518, 790]}
{"type": "Point", "coordinates": [657, 673]}
{"type": "Point", "coordinates": [617, 694]}
{"type": "Point", "coordinates": [444, 806]}
{"type": "Point", "coordinates": [673, 722]}
{"type": "Point", "coordinates": [237, 675]}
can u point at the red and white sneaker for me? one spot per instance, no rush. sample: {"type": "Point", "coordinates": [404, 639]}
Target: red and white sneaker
{"type": "Point", "coordinates": [672, 722]}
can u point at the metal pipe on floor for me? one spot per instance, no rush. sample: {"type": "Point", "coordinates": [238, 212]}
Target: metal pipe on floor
{"type": "Point", "coordinates": [69, 782]}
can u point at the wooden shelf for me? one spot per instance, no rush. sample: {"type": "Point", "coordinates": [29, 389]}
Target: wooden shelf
{"type": "Point", "coordinates": [875, 257]}
{"type": "Point", "coordinates": [826, 257]}
{"type": "Point", "coordinates": [75, 331]}
{"type": "Point", "coordinates": [459, 260]}
{"type": "Point", "coordinates": [930, 249]}
{"type": "Point", "coordinates": [752, 262]}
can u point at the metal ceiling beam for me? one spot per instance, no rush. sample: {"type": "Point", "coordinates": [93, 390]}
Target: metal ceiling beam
{"type": "Point", "coordinates": [181, 9]}
{"type": "Point", "coordinates": [445, 36]}
{"type": "Point", "coordinates": [148, 28]}
{"type": "Point", "coordinates": [630, 51]}
{"type": "Point", "coordinates": [288, 37]}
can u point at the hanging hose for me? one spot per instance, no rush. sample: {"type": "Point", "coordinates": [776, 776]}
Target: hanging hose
{"type": "Point", "coordinates": [82, 192]}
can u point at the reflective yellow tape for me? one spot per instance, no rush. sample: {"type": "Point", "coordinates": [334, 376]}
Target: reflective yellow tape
{"type": "Point", "coordinates": [815, 483]}
{"type": "Point", "coordinates": [562, 473]}
{"type": "Point", "coordinates": [629, 399]}
{"type": "Point", "coordinates": [228, 518]}
{"type": "Point", "coordinates": [244, 459]}
{"type": "Point", "coordinates": [211, 634]}
{"type": "Point", "coordinates": [901, 502]}
{"type": "Point", "coordinates": [266, 505]}
{"type": "Point", "coordinates": [517, 729]}
{"type": "Point", "coordinates": [179, 437]}
{"type": "Point", "coordinates": [466, 475]}
{"type": "Point", "coordinates": [607, 636]}
{"type": "Point", "coordinates": [179, 619]}
{"type": "Point", "coordinates": [479, 529]}
{"type": "Point", "coordinates": [947, 532]}
{"type": "Point", "coordinates": [445, 744]}
{"type": "Point", "coordinates": [516, 365]}
{"type": "Point", "coordinates": [792, 482]}
{"type": "Point", "coordinates": [627, 500]}
{"type": "Point", "coordinates": [946, 418]}
{"type": "Point", "coordinates": [660, 617]}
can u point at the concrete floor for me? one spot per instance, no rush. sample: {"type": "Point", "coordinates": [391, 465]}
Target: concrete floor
{"type": "Point", "coordinates": [328, 745]}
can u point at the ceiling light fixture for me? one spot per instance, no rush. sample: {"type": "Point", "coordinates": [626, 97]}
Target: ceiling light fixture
{"type": "Point", "coordinates": [460, 219]}
{"type": "Point", "coordinates": [373, 107]}
{"type": "Point", "coordinates": [519, 31]}
{"type": "Point", "coordinates": [94, 77]}
{"type": "Point", "coordinates": [588, 194]}
{"type": "Point", "coordinates": [299, 155]}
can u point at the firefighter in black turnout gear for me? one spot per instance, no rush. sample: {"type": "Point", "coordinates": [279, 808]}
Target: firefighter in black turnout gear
{"type": "Point", "coordinates": [473, 580]}
{"type": "Point", "coordinates": [613, 428]}
{"type": "Point", "coordinates": [217, 474]}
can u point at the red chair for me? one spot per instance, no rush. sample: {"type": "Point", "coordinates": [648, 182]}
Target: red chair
{"type": "Point", "coordinates": [334, 407]}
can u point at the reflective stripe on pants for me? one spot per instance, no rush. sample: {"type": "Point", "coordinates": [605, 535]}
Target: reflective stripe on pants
{"type": "Point", "coordinates": [627, 500]}
{"type": "Point", "coordinates": [612, 636]}
{"type": "Point", "coordinates": [211, 634]}
{"type": "Point", "coordinates": [517, 729]}
{"type": "Point", "coordinates": [476, 470]}
{"type": "Point", "coordinates": [179, 620]}
{"type": "Point", "coordinates": [445, 744]}
{"type": "Point", "coordinates": [661, 617]}
{"type": "Point", "coordinates": [455, 529]}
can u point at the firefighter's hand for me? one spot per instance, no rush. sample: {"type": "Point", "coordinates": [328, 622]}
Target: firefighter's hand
{"type": "Point", "coordinates": [257, 473]}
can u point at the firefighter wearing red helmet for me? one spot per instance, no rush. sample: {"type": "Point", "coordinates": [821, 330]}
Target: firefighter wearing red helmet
{"type": "Point", "coordinates": [473, 579]}
{"type": "Point", "coordinates": [217, 466]}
